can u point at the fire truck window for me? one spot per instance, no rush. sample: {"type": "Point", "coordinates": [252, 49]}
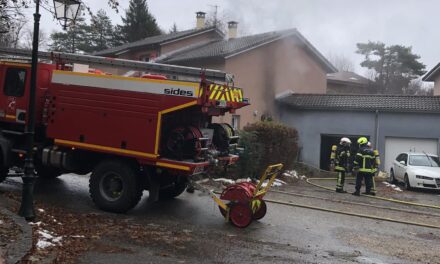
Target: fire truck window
{"type": "Point", "coordinates": [15, 82]}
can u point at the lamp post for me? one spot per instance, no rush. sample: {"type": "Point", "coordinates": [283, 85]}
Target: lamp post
{"type": "Point", "coordinates": [65, 10]}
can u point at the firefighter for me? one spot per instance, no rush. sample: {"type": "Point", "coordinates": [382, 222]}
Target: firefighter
{"type": "Point", "coordinates": [364, 167]}
{"type": "Point", "coordinates": [340, 160]}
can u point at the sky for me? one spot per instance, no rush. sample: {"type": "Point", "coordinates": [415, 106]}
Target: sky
{"type": "Point", "coordinates": [332, 26]}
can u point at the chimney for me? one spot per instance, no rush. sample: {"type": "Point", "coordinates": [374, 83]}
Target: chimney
{"type": "Point", "coordinates": [200, 20]}
{"type": "Point", "coordinates": [232, 29]}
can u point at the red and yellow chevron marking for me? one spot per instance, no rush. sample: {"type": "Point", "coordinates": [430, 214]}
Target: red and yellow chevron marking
{"type": "Point", "coordinates": [220, 92]}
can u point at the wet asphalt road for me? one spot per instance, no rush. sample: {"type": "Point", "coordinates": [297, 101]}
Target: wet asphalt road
{"type": "Point", "coordinates": [285, 235]}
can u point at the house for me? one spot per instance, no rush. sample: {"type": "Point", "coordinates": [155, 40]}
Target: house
{"type": "Point", "coordinates": [346, 82]}
{"type": "Point", "coordinates": [434, 76]}
{"type": "Point", "coordinates": [393, 123]}
{"type": "Point", "coordinates": [265, 65]}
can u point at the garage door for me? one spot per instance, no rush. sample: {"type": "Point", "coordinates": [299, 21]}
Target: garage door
{"type": "Point", "coordinates": [394, 146]}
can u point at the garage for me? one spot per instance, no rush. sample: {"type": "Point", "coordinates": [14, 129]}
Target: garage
{"type": "Point", "coordinates": [396, 145]}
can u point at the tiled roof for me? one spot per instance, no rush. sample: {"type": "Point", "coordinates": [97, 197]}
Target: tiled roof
{"type": "Point", "coordinates": [154, 40]}
{"type": "Point", "coordinates": [385, 103]}
{"type": "Point", "coordinates": [231, 47]}
{"type": "Point", "coordinates": [432, 74]}
{"type": "Point", "coordinates": [346, 77]}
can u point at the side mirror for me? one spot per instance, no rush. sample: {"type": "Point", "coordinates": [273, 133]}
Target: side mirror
{"type": "Point", "coordinates": [402, 162]}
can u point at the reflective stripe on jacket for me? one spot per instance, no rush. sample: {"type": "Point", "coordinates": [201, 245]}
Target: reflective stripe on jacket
{"type": "Point", "coordinates": [365, 160]}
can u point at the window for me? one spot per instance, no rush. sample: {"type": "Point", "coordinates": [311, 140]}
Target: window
{"type": "Point", "coordinates": [424, 160]}
{"type": "Point", "coordinates": [236, 121]}
{"type": "Point", "coordinates": [15, 82]}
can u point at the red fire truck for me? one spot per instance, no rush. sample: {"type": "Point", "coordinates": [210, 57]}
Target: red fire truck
{"type": "Point", "coordinates": [131, 133]}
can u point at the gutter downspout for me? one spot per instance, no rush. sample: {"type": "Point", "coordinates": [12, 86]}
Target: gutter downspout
{"type": "Point", "coordinates": [376, 133]}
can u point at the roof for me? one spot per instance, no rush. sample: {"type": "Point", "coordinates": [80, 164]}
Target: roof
{"type": "Point", "coordinates": [160, 39]}
{"type": "Point", "coordinates": [432, 74]}
{"type": "Point", "coordinates": [347, 77]}
{"type": "Point", "coordinates": [232, 47]}
{"type": "Point", "coordinates": [371, 102]}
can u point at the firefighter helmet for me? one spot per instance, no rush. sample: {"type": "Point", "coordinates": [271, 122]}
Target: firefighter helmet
{"type": "Point", "coordinates": [362, 141]}
{"type": "Point", "coordinates": [369, 144]}
{"type": "Point", "coordinates": [345, 141]}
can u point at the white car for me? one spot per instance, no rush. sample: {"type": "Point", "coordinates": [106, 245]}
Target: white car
{"type": "Point", "coordinates": [416, 170]}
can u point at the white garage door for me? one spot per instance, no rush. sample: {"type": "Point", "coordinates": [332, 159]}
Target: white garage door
{"type": "Point", "coordinates": [394, 146]}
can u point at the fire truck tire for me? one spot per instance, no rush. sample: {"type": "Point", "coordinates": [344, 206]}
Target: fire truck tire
{"type": "Point", "coordinates": [172, 191]}
{"type": "Point", "coordinates": [3, 171]}
{"type": "Point", "coordinates": [115, 186]}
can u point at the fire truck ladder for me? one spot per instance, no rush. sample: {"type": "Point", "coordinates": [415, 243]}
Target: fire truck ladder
{"type": "Point", "coordinates": [158, 68]}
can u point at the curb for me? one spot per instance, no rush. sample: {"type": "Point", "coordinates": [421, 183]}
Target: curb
{"type": "Point", "coordinates": [20, 247]}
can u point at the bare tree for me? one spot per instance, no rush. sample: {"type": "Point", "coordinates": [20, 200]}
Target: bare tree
{"type": "Point", "coordinates": [28, 35]}
{"type": "Point", "coordinates": [341, 62]}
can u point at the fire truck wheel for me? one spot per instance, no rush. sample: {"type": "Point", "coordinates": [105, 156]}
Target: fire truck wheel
{"type": "Point", "coordinates": [174, 190]}
{"type": "Point", "coordinates": [115, 186]}
{"type": "Point", "coordinates": [3, 174]}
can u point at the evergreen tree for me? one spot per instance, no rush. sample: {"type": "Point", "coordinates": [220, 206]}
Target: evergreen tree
{"type": "Point", "coordinates": [138, 23]}
{"type": "Point", "coordinates": [75, 39]}
{"type": "Point", "coordinates": [394, 66]}
{"type": "Point", "coordinates": [100, 33]}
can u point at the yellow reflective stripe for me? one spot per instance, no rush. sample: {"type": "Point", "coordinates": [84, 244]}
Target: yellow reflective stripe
{"type": "Point", "coordinates": [172, 166]}
{"type": "Point", "coordinates": [10, 116]}
{"type": "Point", "coordinates": [227, 95]}
{"type": "Point", "coordinates": [219, 92]}
{"type": "Point", "coordinates": [104, 148]}
{"type": "Point", "coordinates": [231, 93]}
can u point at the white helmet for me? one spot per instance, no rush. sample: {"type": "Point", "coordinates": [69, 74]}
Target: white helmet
{"type": "Point", "coordinates": [345, 140]}
{"type": "Point", "coordinates": [369, 144]}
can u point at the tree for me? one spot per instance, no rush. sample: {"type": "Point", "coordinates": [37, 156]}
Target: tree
{"type": "Point", "coordinates": [28, 37]}
{"type": "Point", "coordinates": [394, 66]}
{"type": "Point", "coordinates": [173, 29]}
{"type": "Point", "coordinates": [138, 23]}
{"type": "Point", "coordinates": [341, 62]}
{"type": "Point", "coordinates": [74, 39]}
{"type": "Point", "coordinates": [100, 32]}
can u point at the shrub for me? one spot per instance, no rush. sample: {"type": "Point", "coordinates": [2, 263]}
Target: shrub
{"type": "Point", "coordinates": [266, 143]}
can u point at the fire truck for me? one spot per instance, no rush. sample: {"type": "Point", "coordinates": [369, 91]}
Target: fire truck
{"type": "Point", "coordinates": [150, 132]}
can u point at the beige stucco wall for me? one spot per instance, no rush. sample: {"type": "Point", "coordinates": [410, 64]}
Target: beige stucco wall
{"type": "Point", "coordinates": [437, 86]}
{"type": "Point", "coordinates": [272, 69]}
{"type": "Point", "coordinates": [202, 38]}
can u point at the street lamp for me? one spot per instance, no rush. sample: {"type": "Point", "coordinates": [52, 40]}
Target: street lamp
{"type": "Point", "coordinates": [65, 10]}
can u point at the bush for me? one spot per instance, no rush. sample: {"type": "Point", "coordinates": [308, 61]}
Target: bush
{"type": "Point", "coordinates": [266, 143]}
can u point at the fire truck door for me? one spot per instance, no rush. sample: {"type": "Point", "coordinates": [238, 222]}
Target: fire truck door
{"type": "Point", "coordinates": [13, 101]}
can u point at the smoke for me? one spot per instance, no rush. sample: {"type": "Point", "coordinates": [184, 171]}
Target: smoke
{"type": "Point", "coordinates": [336, 26]}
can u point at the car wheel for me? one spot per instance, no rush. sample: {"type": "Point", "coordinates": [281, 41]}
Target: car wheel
{"type": "Point", "coordinates": [407, 184]}
{"type": "Point", "coordinates": [392, 178]}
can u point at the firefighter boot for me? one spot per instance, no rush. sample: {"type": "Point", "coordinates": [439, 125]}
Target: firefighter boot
{"type": "Point", "coordinates": [338, 190]}
{"type": "Point", "coordinates": [357, 193]}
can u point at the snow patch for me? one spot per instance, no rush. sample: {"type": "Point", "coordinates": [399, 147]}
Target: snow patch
{"type": "Point", "coordinates": [35, 224]}
{"type": "Point", "coordinates": [1, 222]}
{"type": "Point", "coordinates": [225, 181]}
{"type": "Point", "coordinates": [276, 183]}
{"type": "Point", "coordinates": [77, 236]}
{"type": "Point", "coordinates": [393, 186]}
{"type": "Point", "coordinates": [41, 210]}
{"type": "Point", "coordinates": [292, 174]}
{"type": "Point", "coordinates": [47, 239]}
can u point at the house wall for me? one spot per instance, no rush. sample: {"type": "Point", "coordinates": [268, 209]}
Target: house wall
{"type": "Point", "coordinates": [181, 43]}
{"type": "Point", "coordinates": [437, 85]}
{"type": "Point", "coordinates": [271, 69]}
{"type": "Point", "coordinates": [311, 124]}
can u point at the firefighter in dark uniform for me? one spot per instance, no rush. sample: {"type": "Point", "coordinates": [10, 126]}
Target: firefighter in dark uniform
{"type": "Point", "coordinates": [339, 160]}
{"type": "Point", "coordinates": [364, 166]}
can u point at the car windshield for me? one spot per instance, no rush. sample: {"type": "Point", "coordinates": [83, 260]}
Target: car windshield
{"type": "Point", "coordinates": [424, 160]}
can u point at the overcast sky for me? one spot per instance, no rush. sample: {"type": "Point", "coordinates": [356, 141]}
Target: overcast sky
{"type": "Point", "coordinates": [332, 26]}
